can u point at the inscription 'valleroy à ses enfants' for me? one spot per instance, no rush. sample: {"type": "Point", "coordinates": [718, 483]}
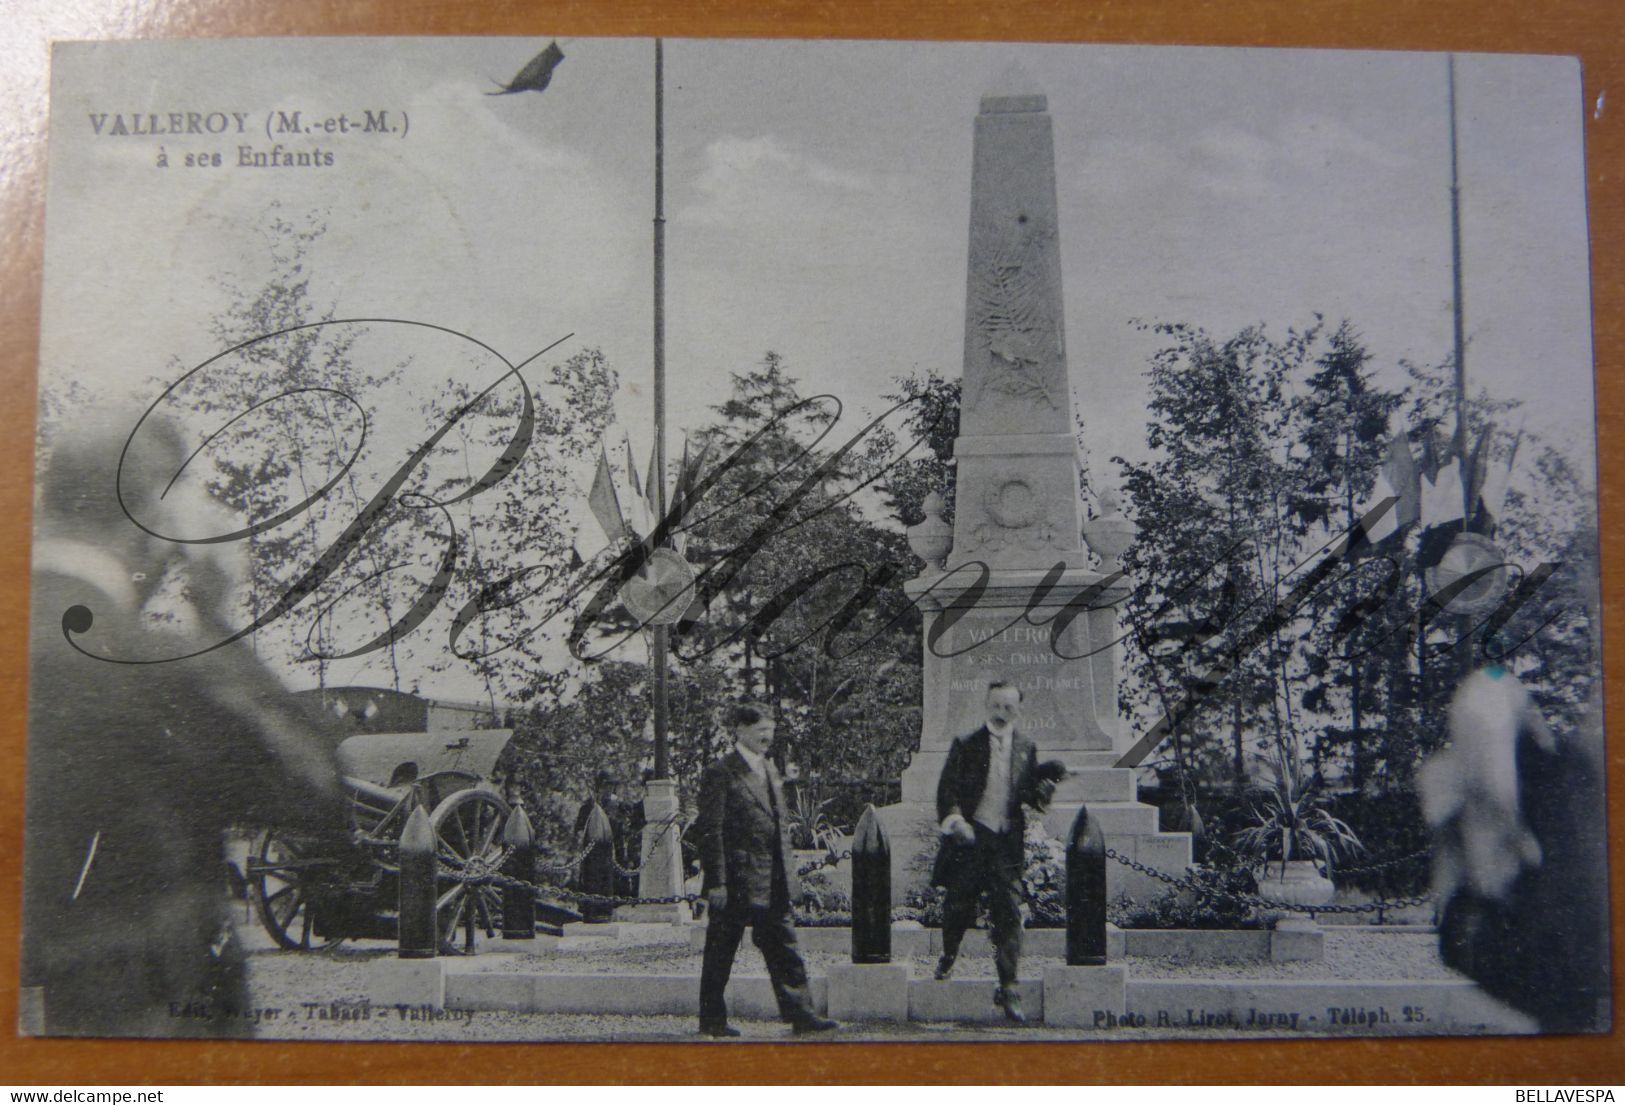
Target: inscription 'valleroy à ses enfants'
{"type": "Point", "coordinates": [158, 124]}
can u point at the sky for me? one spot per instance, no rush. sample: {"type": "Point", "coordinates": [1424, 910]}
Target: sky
{"type": "Point", "coordinates": [817, 205]}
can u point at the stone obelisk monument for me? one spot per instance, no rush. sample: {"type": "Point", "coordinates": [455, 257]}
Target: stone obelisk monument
{"type": "Point", "coordinates": [1018, 513]}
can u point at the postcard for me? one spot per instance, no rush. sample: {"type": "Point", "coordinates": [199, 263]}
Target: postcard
{"type": "Point", "coordinates": [1055, 542]}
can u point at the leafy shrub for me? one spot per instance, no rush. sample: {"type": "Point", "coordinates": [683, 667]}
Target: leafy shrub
{"type": "Point", "coordinates": [1043, 879]}
{"type": "Point", "coordinates": [923, 904]}
{"type": "Point", "coordinates": [809, 823]}
{"type": "Point", "coordinates": [826, 906]}
{"type": "Point", "coordinates": [1187, 909]}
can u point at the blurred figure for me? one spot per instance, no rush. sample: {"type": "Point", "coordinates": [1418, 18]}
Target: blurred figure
{"type": "Point", "coordinates": [135, 770]}
{"type": "Point", "coordinates": [1520, 862]}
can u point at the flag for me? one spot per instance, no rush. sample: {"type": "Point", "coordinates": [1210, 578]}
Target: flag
{"type": "Point", "coordinates": [1441, 497]}
{"type": "Point", "coordinates": [1404, 480]}
{"type": "Point", "coordinates": [637, 506]}
{"type": "Point", "coordinates": [1387, 525]}
{"type": "Point", "coordinates": [1494, 492]}
{"type": "Point", "coordinates": [1431, 458]}
{"type": "Point", "coordinates": [632, 468]}
{"type": "Point", "coordinates": [535, 76]}
{"type": "Point", "coordinates": [605, 504]}
{"type": "Point", "coordinates": [1473, 477]}
{"type": "Point", "coordinates": [688, 475]}
{"type": "Point", "coordinates": [651, 484]}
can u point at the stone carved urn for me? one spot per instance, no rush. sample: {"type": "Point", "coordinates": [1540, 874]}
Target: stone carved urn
{"type": "Point", "coordinates": [1109, 535]}
{"type": "Point", "coordinates": [933, 539]}
{"type": "Point", "coordinates": [1298, 881]}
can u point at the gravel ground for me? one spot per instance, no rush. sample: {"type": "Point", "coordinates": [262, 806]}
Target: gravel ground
{"type": "Point", "coordinates": [323, 995]}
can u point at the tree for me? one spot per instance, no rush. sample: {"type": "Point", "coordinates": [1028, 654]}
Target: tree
{"type": "Point", "coordinates": [519, 542]}
{"type": "Point", "coordinates": [1264, 456]}
{"type": "Point", "coordinates": [1344, 433]}
{"type": "Point", "coordinates": [1218, 536]}
{"type": "Point", "coordinates": [285, 418]}
{"type": "Point", "coordinates": [594, 737]}
{"type": "Point", "coordinates": [845, 710]}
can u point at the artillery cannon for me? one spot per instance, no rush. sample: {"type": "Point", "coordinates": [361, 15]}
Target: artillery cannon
{"type": "Point", "coordinates": [309, 898]}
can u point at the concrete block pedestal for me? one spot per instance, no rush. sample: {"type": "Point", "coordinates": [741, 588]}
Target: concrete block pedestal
{"type": "Point", "coordinates": [868, 992]}
{"type": "Point", "coordinates": [1085, 997]}
{"type": "Point", "coordinates": [415, 982]}
{"type": "Point", "coordinates": [1297, 939]}
{"type": "Point", "coordinates": [968, 1000]}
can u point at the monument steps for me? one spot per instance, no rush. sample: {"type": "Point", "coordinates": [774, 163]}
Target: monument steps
{"type": "Point", "coordinates": [1115, 818]}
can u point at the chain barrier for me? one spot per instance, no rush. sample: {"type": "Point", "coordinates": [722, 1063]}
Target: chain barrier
{"type": "Point", "coordinates": [633, 872]}
{"type": "Point", "coordinates": [569, 866]}
{"type": "Point", "coordinates": [509, 882]}
{"type": "Point", "coordinates": [1385, 865]}
{"type": "Point", "coordinates": [478, 869]}
{"type": "Point", "coordinates": [827, 861]}
{"type": "Point", "coordinates": [1258, 902]}
{"type": "Point", "coordinates": [490, 873]}
{"type": "Point", "coordinates": [1240, 862]}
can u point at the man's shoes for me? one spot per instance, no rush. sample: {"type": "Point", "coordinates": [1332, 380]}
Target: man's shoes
{"type": "Point", "coordinates": [812, 1023]}
{"type": "Point", "coordinates": [1011, 1001]}
{"type": "Point", "coordinates": [945, 967]}
{"type": "Point", "coordinates": [723, 1031]}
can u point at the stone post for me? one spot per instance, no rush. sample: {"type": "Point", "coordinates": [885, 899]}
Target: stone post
{"type": "Point", "coordinates": [1086, 893]}
{"type": "Point", "coordinates": [597, 865]}
{"type": "Point", "coordinates": [871, 891]}
{"type": "Point", "coordinates": [519, 902]}
{"type": "Point", "coordinates": [418, 934]}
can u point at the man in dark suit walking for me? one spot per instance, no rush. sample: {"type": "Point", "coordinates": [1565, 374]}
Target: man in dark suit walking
{"type": "Point", "coordinates": [750, 876]}
{"type": "Point", "coordinates": [987, 779]}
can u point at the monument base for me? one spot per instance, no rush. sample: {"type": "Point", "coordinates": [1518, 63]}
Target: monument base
{"type": "Point", "coordinates": [1131, 829]}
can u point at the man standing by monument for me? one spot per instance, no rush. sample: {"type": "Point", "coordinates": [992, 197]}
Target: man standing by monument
{"type": "Point", "coordinates": [987, 779]}
{"type": "Point", "coordinates": [749, 876]}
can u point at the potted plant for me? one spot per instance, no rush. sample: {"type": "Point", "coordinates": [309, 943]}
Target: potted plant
{"type": "Point", "coordinates": [812, 834]}
{"type": "Point", "coordinates": [1290, 824]}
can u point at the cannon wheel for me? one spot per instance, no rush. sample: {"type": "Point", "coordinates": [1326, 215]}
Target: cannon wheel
{"type": "Point", "coordinates": [280, 885]}
{"type": "Point", "coordinates": [468, 834]}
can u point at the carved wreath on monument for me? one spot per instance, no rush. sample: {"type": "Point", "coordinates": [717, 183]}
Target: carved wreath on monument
{"type": "Point", "coordinates": [1015, 515]}
{"type": "Point", "coordinates": [1013, 315]}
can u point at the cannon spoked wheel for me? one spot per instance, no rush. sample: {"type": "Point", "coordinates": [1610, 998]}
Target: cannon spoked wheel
{"type": "Point", "coordinates": [468, 835]}
{"type": "Point", "coordinates": [281, 876]}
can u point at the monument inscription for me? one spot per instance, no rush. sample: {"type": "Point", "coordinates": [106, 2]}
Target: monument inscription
{"type": "Point", "coordinates": [1059, 710]}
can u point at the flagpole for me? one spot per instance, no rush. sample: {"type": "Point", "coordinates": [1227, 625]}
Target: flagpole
{"type": "Point", "coordinates": [662, 768]}
{"type": "Point", "coordinates": [1457, 306]}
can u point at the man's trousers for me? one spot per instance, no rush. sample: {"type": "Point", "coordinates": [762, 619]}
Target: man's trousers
{"type": "Point", "coordinates": [774, 932]}
{"type": "Point", "coordinates": [993, 865]}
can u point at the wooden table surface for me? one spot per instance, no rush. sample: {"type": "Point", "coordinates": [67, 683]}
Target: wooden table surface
{"type": "Point", "coordinates": [1592, 29]}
